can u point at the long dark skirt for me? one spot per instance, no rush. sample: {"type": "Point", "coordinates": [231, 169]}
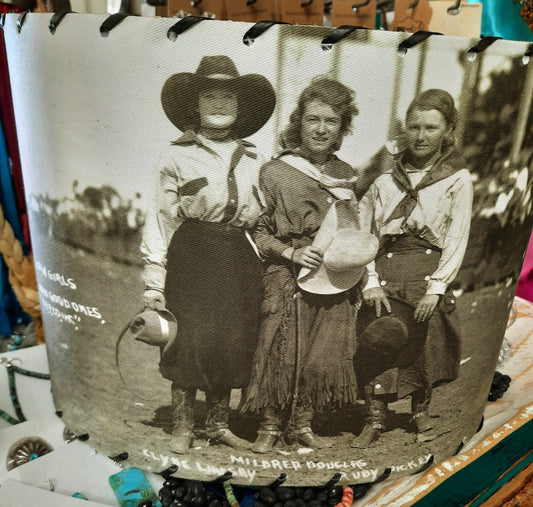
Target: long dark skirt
{"type": "Point", "coordinates": [325, 347]}
{"type": "Point", "coordinates": [214, 288]}
{"type": "Point", "coordinates": [404, 265]}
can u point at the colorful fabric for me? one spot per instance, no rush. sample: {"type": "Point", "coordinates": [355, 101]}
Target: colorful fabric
{"type": "Point", "coordinates": [11, 190]}
{"type": "Point", "coordinates": [525, 284]}
{"type": "Point", "coordinates": [10, 311]}
{"type": "Point", "coordinates": [7, 121]}
{"type": "Point", "coordinates": [501, 18]}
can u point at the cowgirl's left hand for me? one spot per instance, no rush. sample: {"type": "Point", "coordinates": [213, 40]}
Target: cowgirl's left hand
{"type": "Point", "coordinates": [426, 306]}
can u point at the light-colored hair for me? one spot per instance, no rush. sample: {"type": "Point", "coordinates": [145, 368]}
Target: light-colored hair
{"type": "Point", "coordinates": [328, 91]}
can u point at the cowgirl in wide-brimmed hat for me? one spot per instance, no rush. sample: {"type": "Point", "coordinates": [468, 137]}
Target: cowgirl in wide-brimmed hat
{"type": "Point", "coordinates": [199, 263]}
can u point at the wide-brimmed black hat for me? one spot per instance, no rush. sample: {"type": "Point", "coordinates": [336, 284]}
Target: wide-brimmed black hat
{"type": "Point", "coordinates": [393, 340]}
{"type": "Point", "coordinates": [255, 95]}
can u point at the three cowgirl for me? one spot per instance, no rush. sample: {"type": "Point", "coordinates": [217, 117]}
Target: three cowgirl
{"type": "Point", "coordinates": [200, 264]}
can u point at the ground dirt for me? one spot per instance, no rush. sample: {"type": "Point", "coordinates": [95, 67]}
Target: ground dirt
{"type": "Point", "coordinates": [134, 415]}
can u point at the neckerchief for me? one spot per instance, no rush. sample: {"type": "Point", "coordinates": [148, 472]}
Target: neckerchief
{"type": "Point", "coordinates": [449, 163]}
{"type": "Point", "coordinates": [338, 187]}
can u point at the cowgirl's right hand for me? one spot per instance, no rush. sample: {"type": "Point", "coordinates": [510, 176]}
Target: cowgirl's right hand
{"type": "Point", "coordinates": [308, 256]}
{"type": "Point", "coordinates": [154, 299]}
{"type": "Point", "coordinates": [376, 297]}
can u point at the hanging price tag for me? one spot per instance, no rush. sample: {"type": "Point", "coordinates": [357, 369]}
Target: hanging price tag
{"type": "Point", "coordinates": [251, 10]}
{"type": "Point", "coordinates": [353, 12]}
{"type": "Point", "coordinates": [464, 22]}
{"type": "Point", "coordinates": [302, 12]}
{"type": "Point", "coordinates": [411, 15]}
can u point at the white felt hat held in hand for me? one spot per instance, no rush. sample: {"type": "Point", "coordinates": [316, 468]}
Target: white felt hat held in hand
{"type": "Point", "coordinates": [347, 249]}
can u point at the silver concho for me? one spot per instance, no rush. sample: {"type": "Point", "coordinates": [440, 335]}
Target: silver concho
{"type": "Point", "coordinates": [25, 450]}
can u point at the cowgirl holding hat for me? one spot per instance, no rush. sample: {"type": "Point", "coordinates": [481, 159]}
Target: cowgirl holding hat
{"type": "Point", "coordinates": [421, 212]}
{"type": "Point", "coordinates": [199, 263]}
{"type": "Point", "coordinates": [304, 357]}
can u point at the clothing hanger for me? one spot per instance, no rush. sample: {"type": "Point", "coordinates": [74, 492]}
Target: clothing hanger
{"type": "Point", "coordinates": [388, 5]}
{"type": "Point", "coordinates": [455, 9]}
{"type": "Point", "coordinates": [361, 4]}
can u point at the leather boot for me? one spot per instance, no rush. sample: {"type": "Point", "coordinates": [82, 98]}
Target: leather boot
{"type": "Point", "coordinates": [265, 441]}
{"type": "Point", "coordinates": [424, 427]}
{"type": "Point", "coordinates": [269, 431]}
{"type": "Point", "coordinates": [420, 409]}
{"type": "Point", "coordinates": [227, 437]}
{"type": "Point", "coordinates": [375, 407]}
{"type": "Point", "coordinates": [302, 429]}
{"type": "Point", "coordinates": [217, 421]}
{"type": "Point", "coordinates": [183, 420]}
{"type": "Point", "coordinates": [307, 437]}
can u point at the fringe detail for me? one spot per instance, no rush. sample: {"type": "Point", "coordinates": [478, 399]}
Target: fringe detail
{"type": "Point", "coordinates": [273, 372]}
{"type": "Point", "coordinates": [258, 395]}
{"type": "Point", "coordinates": [331, 389]}
{"type": "Point", "coordinates": [319, 392]}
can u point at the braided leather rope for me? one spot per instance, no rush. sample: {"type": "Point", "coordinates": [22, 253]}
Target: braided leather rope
{"type": "Point", "coordinates": [21, 274]}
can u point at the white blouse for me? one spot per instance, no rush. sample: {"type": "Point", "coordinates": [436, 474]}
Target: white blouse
{"type": "Point", "coordinates": [441, 216]}
{"type": "Point", "coordinates": [197, 181]}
